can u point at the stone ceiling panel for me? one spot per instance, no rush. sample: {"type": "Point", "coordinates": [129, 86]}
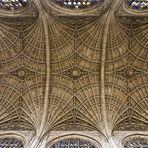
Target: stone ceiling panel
{"type": "Point", "coordinates": [75, 73]}
{"type": "Point", "coordinates": [127, 73]}
{"type": "Point", "coordinates": [23, 69]}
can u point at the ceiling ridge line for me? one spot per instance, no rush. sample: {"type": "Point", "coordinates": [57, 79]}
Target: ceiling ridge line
{"type": "Point", "coordinates": [40, 131]}
{"type": "Point", "coordinates": [108, 17]}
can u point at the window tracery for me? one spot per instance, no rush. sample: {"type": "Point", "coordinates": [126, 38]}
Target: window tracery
{"type": "Point", "coordinates": [73, 143]}
{"type": "Point", "coordinates": [13, 4]}
{"type": "Point", "coordinates": [138, 4]}
{"type": "Point", "coordinates": [11, 143]}
{"type": "Point", "coordinates": [136, 142]}
{"type": "Point", "coordinates": [77, 3]}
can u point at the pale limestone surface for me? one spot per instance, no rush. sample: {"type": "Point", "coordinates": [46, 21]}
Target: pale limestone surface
{"type": "Point", "coordinates": [79, 74]}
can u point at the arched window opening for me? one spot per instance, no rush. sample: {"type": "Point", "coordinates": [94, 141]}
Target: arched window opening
{"type": "Point", "coordinates": [11, 143]}
{"type": "Point", "coordinates": [13, 4]}
{"type": "Point", "coordinates": [77, 3]}
{"type": "Point", "coordinates": [136, 142]}
{"type": "Point", "coordinates": [73, 143]}
{"type": "Point", "coordinates": [138, 4]}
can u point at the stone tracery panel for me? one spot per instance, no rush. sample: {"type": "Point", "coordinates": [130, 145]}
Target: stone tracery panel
{"type": "Point", "coordinates": [116, 100]}
{"type": "Point", "coordinates": [11, 105]}
{"type": "Point", "coordinates": [76, 4]}
{"type": "Point", "coordinates": [77, 143]}
{"type": "Point", "coordinates": [130, 71]}
{"type": "Point", "coordinates": [136, 141]}
{"type": "Point", "coordinates": [138, 4]}
{"type": "Point", "coordinates": [10, 42]}
{"type": "Point", "coordinates": [139, 46]}
{"type": "Point", "coordinates": [22, 72]}
{"type": "Point", "coordinates": [11, 142]}
{"type": "Point", "coordinates": [117, 45]}
{"type": "Point", "coordinates": [75, 68]}
{"type": "Point", "coordinates": [75, 47]}
{"type": "Point", "coordinates": [13, 4]}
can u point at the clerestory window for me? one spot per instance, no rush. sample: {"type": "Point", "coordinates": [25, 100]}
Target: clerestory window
{"type": "Point", "coordinates": [138, 4]}
{"type": "Point", "coordinates": [136, 142]}
{"type": "Point", "coordinates": [11, 143]}
{"type": "Point", "coordinates": [13, 4]}
{"type": "Point", "coordinates": [77, 3]}
{"type": "Point", "coordinates": [73, 143]}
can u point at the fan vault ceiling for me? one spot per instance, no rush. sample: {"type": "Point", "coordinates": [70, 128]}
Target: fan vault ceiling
{"type": "Point", "coordinates": [74, 72]}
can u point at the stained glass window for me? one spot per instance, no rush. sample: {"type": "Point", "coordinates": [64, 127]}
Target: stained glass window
{"type": "Point", "coordinates": [137, 142]}
{"type": "Point", "coordinates": [138, 4]}
{"type": "Point", "coordinates": [11, 143]}
{"type": "Point", "coordinates": [77, 3]}
{"type": "Point", "coordinates": [13, 4]}
{"type": "Point", "coordinates": [73, 143]}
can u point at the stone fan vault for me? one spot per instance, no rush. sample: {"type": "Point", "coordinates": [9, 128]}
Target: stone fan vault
{"type": "Point", "coordinates": [75, 74]}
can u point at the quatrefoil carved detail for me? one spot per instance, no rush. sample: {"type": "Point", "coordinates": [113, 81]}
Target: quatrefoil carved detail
{"type": "Point", "coordinates": [75, 73]}
{"type": "Point", "coordinates": [128, 72]}
{"type": "Point", "coordinates": [22, 73]}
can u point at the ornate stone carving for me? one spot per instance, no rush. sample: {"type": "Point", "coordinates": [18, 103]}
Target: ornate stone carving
{"type": "Point", "coordinates": [75, 73]}
{"type": "Point", "coordinates": [22, 73]}
{"type": "Point", "coordinates": [128, 72]}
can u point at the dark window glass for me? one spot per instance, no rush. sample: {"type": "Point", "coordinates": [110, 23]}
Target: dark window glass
{"type": "Point", "coordinates": [73, 143]}
{"type": "Point", "coordinates": [136, 142]}
{"type": "Point", "coordinates": [11, 143]}
{"type": "Point", "coordinates": [77, 3]}
{"type": "Point", "coordinates": [138, 4]}
{"type": "Point", "coordinates": [13, 4]}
